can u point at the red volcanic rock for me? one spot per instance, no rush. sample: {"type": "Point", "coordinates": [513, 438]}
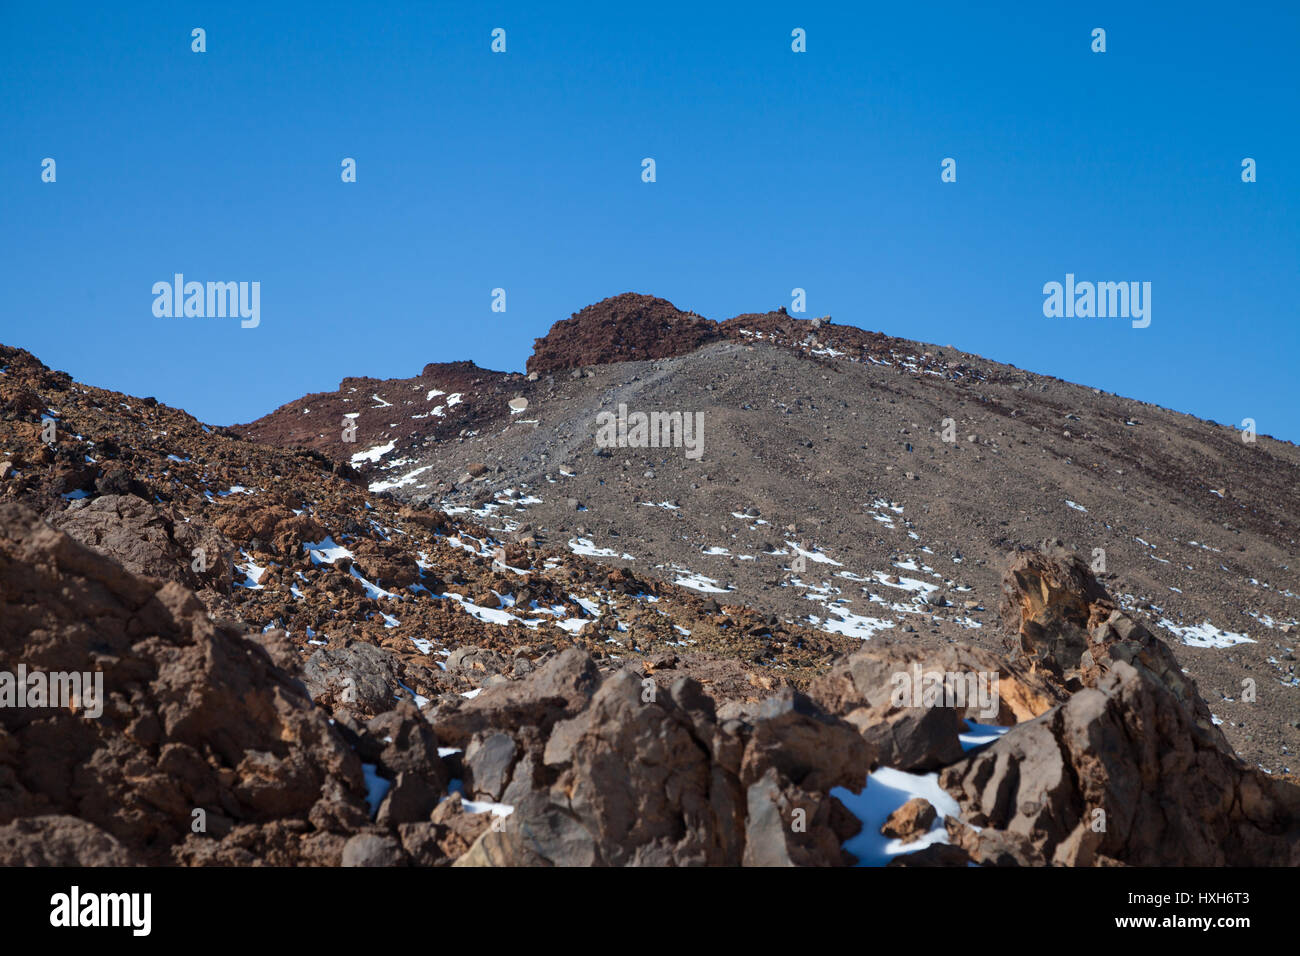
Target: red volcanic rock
{"type": "Point", "coordinates": [623, 328]}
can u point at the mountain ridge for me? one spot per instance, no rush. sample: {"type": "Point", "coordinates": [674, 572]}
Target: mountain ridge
{"type": "Point", "coordinates": [597, 333]}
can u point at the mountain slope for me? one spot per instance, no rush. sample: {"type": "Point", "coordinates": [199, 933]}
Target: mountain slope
{"type": "Point", "coordinates": [829, 440]}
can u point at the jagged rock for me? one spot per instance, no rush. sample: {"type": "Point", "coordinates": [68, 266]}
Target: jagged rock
{"type": "Point", "coordinates": [471, 660]}
{"type": "Point", "coordinates": [146, 539]}
{"type": "Point", "coordinates": [990, 847]}
{"type": "Point", "coordinates": [560, 688]}
{"type": "Point", "coordinates": [1127, 757]}
{"type": "Point", "coordinates": [358, 677]}
{"type": "Point", "coordinates": [638, 781]}
{"type": "Point", "coordinates": [488, 760]}
{"type": "Point", "coordinates": [936, 854]}
{"type": "Point", "coordinates": [910, 820]}
{"type": "Point", "coordinates": [194, 715]}
{"type": "Point", "coordinates": [410, 799]}
{"type": "Point", "coordinates": [804, 744]}
{"type": "Point", "coordinates": [871, 689]}
{"type": "Point", "coordinates": [621, 328]}
{"type": "Point", "coordinates": [1064, 620]}
{"type": "Point", "coordinates": [606, 754]}
{"type": "Point", "coordinates": [644, 778]}
{"type": "Point", "coordinates": [116, 480]}
{"type": "Point", "coordinates": [273, 523]}
{"type": "Point", "coordinates": [408, 753]}
{"type": "Point", "coordinates": [20, 403]}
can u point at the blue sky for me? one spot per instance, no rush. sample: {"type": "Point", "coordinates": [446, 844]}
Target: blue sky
{"type": "Point", "coordinates": [775, 170]}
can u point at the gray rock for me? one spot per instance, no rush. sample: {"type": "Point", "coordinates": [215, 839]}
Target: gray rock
{"type": "Point", "coordinates": [410, 800]}
{"type": "Point", "coordinates": [487, 761]}
{"type": "Point", "coordinates": [358, 677]}
{"type": "Point", "coordinates": [369, 849]}
{"type": "Point", "coordinates": [59, 841]}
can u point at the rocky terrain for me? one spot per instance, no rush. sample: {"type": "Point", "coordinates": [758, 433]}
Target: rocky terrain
{"type": "Point", "coordinates": [827, 496]}
{"type": "Point", "coordinates": [472, 636]}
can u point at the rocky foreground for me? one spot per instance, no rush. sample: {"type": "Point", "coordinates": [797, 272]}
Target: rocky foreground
{"type": "Point", "coordinates": [300, 672]}
{"type": "Point", "coordinates": [569, 766]}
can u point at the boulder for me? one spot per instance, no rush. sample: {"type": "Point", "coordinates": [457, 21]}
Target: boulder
{"type": "Point", "coordinates": [1120, 772]}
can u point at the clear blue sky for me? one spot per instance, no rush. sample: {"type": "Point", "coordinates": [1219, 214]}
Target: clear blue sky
{"type": "Point", "coordinates": [775, 170]}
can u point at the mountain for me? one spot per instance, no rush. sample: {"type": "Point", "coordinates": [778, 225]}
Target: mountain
{"type": "Point", "coordinates": [489, 631]}
{"type": "Point", "coordinates": [826, 441]}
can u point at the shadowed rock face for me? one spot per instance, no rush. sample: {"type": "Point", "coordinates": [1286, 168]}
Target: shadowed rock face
{"type": "Point", "coordinates": [1131, 768]}
{"type": "Point", "coordinates": [149, 540]}
{"type": "Point", "coordinates": [198, 716]}
{"type": "Point", "coordinates": [864, 690]}
{"type": "Point", "coordinates": [651, 778]}
{"type": "Point", "coordinates": [1049, 602]}
{"type": "Point", "coordinates": [194, 716]}
{"type": "Point", "coordinates": [1065, 622]}
{"type": "Point", "coordinates": [1120, 774]}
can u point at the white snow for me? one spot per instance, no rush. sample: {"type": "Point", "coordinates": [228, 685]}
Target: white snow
{"type": "Point", "coordinates": [326, 551]}
{"type": "Point", "coordinates": [698, 582]}
{"type": "Point", "coordinates": [850, 624]}
{"type": "Point", "coordinates": [906, 584]}
{"type": "Point", "coordinates": [1204, 634]}
{"type": "Point", "coordinates": [373, 591]}
{"type": "Point", "coordinates": [373, 454]}
{"type": "Point", "coordinates": [490, 615]}
{"type": "Point", "coordinates": [406, 479]}
{"type": "Point", "coordinates": [585, 547]}
{"type": "Point", "coordinates": [252, 574]}
{"type": "Point", "coordinates": [980, 734]}
{"type": "Point", "coordinates": [817, 556]}
{"type": "Point", "coordinates": [486, 806]}
{"type": "Point", "coordinates": [886, 790]}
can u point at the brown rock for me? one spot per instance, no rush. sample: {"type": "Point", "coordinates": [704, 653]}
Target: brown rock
{"type": "Point", "coordinates": [195, 716]}
{"type": "Point", "coordinates": [910, 821]}
{"type": "Point", "coordinates": [1081, 786]}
